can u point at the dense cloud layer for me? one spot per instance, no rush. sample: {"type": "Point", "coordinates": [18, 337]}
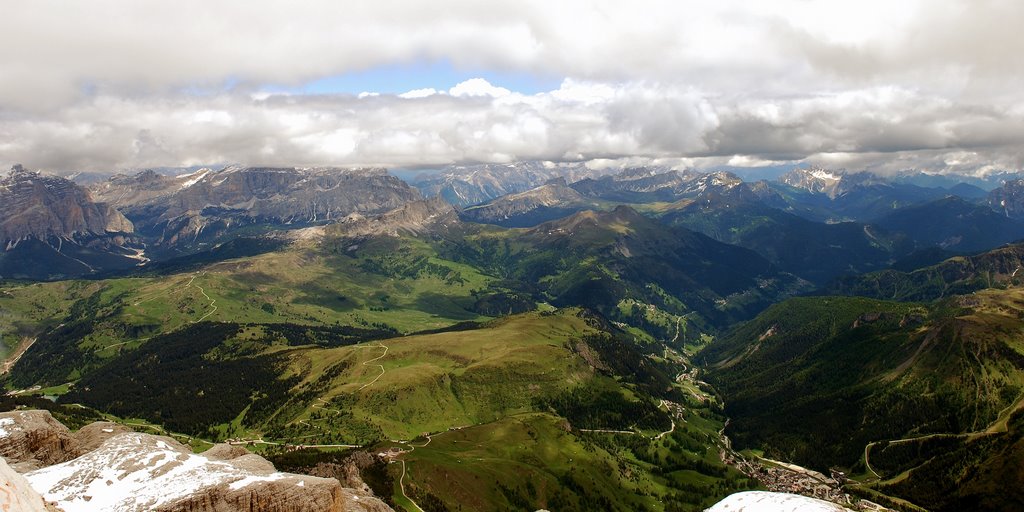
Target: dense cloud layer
{"type": "Point", "coordinates": [884, 85]}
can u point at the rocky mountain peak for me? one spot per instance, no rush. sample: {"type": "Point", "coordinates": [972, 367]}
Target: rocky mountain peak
{"type": "Point", "coordinates": [17, 169]}
{"type": "Point", "coordinates": [415, 217]}
{"type": "Point", "coordinates": [830, 182]}
{"type": "Point", "coordinates": [1008, 198]}
{"type": "Point", "coordinates": [37, 205]}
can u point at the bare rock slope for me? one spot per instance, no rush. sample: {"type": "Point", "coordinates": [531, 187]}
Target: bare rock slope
{"type": "Point", "coordinates": [52, 228]}
{"type": "Point", "coordinates": [33, 439]}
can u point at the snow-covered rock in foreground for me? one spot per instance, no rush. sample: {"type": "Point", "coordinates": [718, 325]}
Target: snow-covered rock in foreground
{"type": "Point", "coordinates": [16, 494]}
{"type": "Point", "coordinates": [762, 501]}
{"type": "Point", "coordinates": [141, 472]}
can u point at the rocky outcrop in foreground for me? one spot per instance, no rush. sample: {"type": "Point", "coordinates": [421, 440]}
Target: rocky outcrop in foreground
{"type": "Point", "coordinates": [17, 495]}
{"type": "Point", "coordinates": [33, 439]}
{"type": "Point", "coordinates": [105, 467]}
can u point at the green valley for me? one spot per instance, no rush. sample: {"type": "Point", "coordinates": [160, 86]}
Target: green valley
{"type": "Point", "coordinates": [884, 390]}
{"type": "Point", "coordinates": [406, 345]}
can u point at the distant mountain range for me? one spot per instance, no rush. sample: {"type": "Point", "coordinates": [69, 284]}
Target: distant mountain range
{"type": "Point", "coordinates": [467, 185]}
{"type": "Point", "coordinates": [51, 227]}
{"type": "Point", "coordinates": [816, 223]}
{"type": "Point", "coordinates": [203, 205]}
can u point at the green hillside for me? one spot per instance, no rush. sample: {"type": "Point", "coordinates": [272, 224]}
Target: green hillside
{"type": "Point", "coordinates": [330, 346]}
{"type": "Point", "coordinates": [997, 268]}
{"type": "Point", "coordinates": [599, 259]}
{"type": "Point", "coordinates": [820, 381]}
{"type": "Point", "coordinates": [88, 322]}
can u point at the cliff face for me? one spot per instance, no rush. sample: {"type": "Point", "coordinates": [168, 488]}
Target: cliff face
{"type": "Point", "coordinates": [51, 228]}
{"type": "Point", "coordinates": [177, 209]}
{"type": "Point", "coordinates": [34, 205]}
{"type": "Point", "coordinates": [106, 467]}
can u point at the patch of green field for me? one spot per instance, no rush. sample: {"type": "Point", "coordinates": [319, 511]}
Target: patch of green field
{"type": "Point", "coordinates": [430, 383]}
{"type": "Point", "coordinates": [534, 461]}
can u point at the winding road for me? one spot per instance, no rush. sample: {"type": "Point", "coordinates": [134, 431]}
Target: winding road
{"type": "Point", "coordinates": [678, 319]}
{"type": "Point", "coordinates": [867, 447]}
{"type": "Point", "coordinates": [401, 481]}
{"type": "Point", "coordinates": [670, 417]}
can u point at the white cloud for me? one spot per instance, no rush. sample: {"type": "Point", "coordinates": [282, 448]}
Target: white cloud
{"type": "Point", "coordinates": [108, 84]}
{"type": "Point", "coordinates": [52, 51]}
{"type": "Point", "coordinates": [880, 128]}
{"type": "Point", "coordinates": [418, 93]}
{"type": "Point", "coordinates": [478, 87]}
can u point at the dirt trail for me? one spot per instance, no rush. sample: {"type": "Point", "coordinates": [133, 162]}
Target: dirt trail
{"type": "Point", "coordinates": [401, 481]}
{"type": "Point", "coordinates": [213, 304]}
{"type": "Point", "coordinates": [401, 485]}
{"type": "Point", "coordinates": [157, 295]}
{"type": "Point", "coordinates": [382, 370]}
{"type": "Point", "coordinates": [189, 284]}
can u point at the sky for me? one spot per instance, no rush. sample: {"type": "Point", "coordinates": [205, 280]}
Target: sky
{"type": "Point", "coordinates": [878, 85]}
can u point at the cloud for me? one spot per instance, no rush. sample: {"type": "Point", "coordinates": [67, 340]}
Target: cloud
{"type": "Point", "coordinates": [874, 127]}
{"type": "Point", "coordinates": [418, 93]}
{"type": "Point", "coordinates": [54, 52]}
{"type": "Point", "coordinates": [478, 87]}
{"type": "Point", "coordinates": [105, 85]}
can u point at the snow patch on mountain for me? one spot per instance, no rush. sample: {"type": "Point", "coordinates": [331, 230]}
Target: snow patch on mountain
{"type": "Point", "coordinates": [763, 501]}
